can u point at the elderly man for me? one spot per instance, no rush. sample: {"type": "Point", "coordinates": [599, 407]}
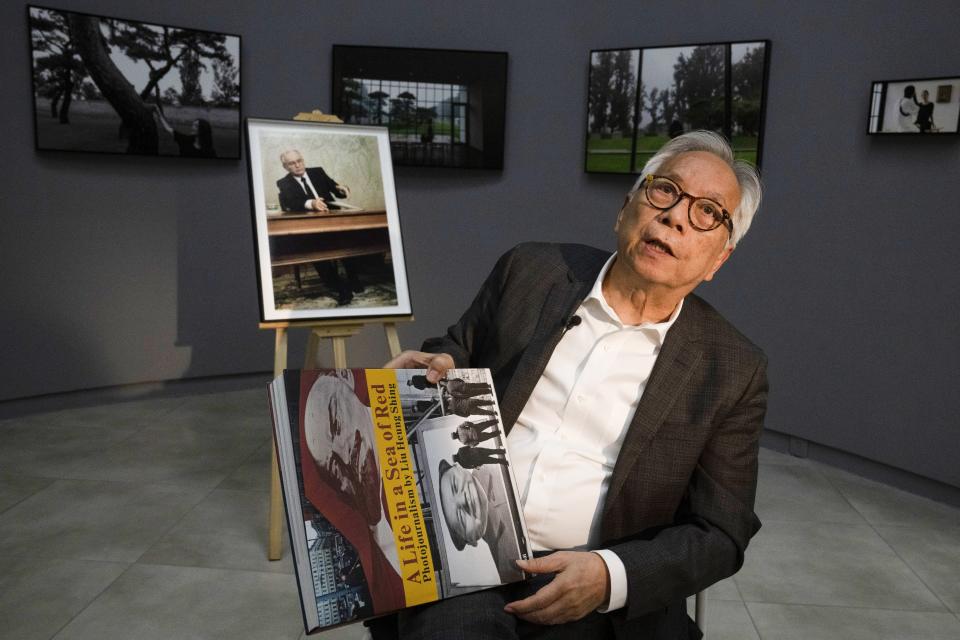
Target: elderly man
{"type": "Point", "coordinates": [633, 411]}
{"type": "Point", "coordinates": [311, 189]}
{"type": "Point", "coordinates": [307, 189]}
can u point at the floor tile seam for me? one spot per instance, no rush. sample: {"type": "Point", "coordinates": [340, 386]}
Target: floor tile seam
{"type": "Point", "coordinates": [774, 463]}
{"type": "Point", "coordinates": [243, 462]}
{"type": "Point", "coordinates": [756, 627]}
{"type": "Point", "coordinates": [4, 553]}
{"type": "Point", "coordinates": [713, 598]}
{"type": "Point", "coordinates": [940, 529]}
{"type": "Point", "coordinates": [176, 523]}
{"type": "Point", "coordinates": [92, 600]}
{"type": "Point", "coordinates": [846, 498]}
{"type": "Point", "coordinates": [912, 570]}
{"type": "Point", "coordinates": [25, 498]}
{"type": "Point", "coordinates": [767, 520]}
{"type": "Point", "coordinates": [116, 482]}
{"type": "Point", "coordinates": [736, 586]}
{"type": "Point", "coordinates": [846, 606]}
{"type": "Point", "coordinates": [882, 485]}
{"type": "Point", "coordinates": [228, 569]}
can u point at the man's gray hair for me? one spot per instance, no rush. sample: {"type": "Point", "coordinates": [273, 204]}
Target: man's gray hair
{"type": "Point", "coordinates": [746, 173]}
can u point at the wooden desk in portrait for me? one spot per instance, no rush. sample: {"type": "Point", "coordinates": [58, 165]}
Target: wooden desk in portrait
{"type": "Point", "coordinates": [302, 237]}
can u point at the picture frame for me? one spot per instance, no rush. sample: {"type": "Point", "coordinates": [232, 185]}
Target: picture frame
{"type": "Point", "coordinates": [443, 107]}
{"type": "Point", "coordinates": [104, 84]}
{"type": "Point", "coordinates": [914, 106]}
{"type": "Point", "coordinates": [640, 97]}
{"type": "Point", "coordinates": [337, 252]}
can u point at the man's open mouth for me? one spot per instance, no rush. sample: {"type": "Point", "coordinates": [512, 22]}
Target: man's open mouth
{"type": "Point", "coordinates": [659, 245]}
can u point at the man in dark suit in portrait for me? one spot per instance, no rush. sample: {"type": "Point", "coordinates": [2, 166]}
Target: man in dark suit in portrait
{"type": "Point", "coordinates": [307, 189]}
{"type": "Point", "coordinates": [311, 189]}
{"type": "Point", "coordinates": [632, 408]}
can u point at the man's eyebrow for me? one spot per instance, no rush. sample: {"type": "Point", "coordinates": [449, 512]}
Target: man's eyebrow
{"type": "Point", "coordinates": [713, 195]}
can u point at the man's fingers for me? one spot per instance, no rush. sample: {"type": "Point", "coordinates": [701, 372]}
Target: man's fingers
{"type": "Point", "coordinates": [544, 564]}
{"type": "Point", "coordinates": [558, 612]}
{"type": "Point", "coordinates": [436, 363]}
{"type": "Point", "coordinates": [438, 366]}
{"type": "Point", "coordinates": [540, 600]}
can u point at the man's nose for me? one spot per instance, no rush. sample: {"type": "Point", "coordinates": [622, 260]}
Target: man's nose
{"type": "Point", "coordinates": [673, 217]}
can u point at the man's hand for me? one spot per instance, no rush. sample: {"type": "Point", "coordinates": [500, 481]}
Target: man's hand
{"type": "Point", "coordinates": [318, 204]}
{"type": "Point", "coordinates": [436, 363]}
{"type": "Point", "coordinates": [581, 585]}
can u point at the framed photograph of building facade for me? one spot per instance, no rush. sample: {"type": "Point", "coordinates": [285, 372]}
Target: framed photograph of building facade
{"type": "Point", "coordinates": [444, 108]}
{"type": "Point", "coordinates": [111, 85]}
{"type": "Point", "coordinates": [639, 98]}
{"type": "Point", "coordinates": [922, 105]}
{"type": "Point", "coordinates": [325, 220]}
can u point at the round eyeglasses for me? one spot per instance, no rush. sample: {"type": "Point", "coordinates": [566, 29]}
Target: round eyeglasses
{"type": "Point", "coordinates": [704, 214]}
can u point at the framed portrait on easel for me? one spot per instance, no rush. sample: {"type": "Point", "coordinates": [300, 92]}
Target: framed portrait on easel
{"type": "Point", "coordinates": [325, 221]}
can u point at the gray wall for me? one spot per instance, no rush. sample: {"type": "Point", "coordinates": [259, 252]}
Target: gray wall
{"type": "Point", "coordinates": [117, 271]}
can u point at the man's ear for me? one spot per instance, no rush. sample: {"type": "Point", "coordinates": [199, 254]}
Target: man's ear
{"type": "Point", "coordinates": [727, 250]}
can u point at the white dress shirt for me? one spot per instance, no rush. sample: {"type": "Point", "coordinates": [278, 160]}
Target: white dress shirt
{"type": "Point", "coordinates": [308, 203]}
{"type": "Point", "coordinates": [565, 442]}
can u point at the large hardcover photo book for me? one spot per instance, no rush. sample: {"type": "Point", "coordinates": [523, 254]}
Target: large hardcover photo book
{"type": "Point", "coordinates": [398, 492]}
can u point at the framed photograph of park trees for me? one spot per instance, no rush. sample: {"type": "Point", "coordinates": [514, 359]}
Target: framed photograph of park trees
{"type": "Point", "coordinates": [639, 98]}
{"type": "Point", "coordinates": [111, 85]}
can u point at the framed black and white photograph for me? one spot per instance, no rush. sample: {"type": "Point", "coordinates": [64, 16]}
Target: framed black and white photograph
{"type": "Point", "coordinates": [639, 98]}
{"type": "Point", "coordinates": [111, 85]}
{"type": "Point", "coordinates": [924, 105]}
{"type": "Point", "coordinates": [444, 108]}
{"type": "Point", "coordinates": [326, 225]}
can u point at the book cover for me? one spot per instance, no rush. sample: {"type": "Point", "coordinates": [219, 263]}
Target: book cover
{"type": "Point", "coordinates": [398, 492]}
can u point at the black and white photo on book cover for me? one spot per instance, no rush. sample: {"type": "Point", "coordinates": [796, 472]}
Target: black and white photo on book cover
{"type": "Point", "coordinates": [455, 429]}
{"type": "Point", "coordinates": [326, 223]}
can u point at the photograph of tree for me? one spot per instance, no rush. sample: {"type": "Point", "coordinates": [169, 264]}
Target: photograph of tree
{"type": "Point", "coordinates": [443, 108]}
{"type": "Point", "coordinates": [119, 86]}
{"type": "Point", "coordinates": [639, 98]}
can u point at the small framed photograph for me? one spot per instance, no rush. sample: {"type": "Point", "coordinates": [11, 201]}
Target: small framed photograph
{"type": "Point", "coordinates": [326, 225]}
{"type": "Point", "coordinates": [919, 105]}
{"type": "Point", "coordinates": [110, 85]}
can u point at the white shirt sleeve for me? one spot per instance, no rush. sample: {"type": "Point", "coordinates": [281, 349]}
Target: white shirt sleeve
{"type": "Point", "coordinates": [618, 580]}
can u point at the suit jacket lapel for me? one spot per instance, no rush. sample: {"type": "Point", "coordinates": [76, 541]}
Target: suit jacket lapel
{"type": "Point", "coordinates": [677, 360]}
{"type": "Point", "coordinates": [561, 301]}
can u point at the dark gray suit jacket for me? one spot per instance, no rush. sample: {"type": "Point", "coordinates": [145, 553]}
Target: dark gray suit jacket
{"type": "Point", "coordinates": [679, 510]}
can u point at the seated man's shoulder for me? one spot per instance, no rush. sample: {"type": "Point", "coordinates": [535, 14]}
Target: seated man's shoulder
{"type": "Point", "coordinates": [720, 332]}
{"type": "Point", "coordinates": [579, 259]}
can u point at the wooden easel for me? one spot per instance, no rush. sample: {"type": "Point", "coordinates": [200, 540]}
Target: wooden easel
{"type": "Point", "coordinates": [337, 331]}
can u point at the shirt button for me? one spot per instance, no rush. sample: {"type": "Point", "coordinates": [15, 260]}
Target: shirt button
{"type": "Point", "coordinates": [580, 399]}
{"type": "Point", "coordinates": [606, 348]}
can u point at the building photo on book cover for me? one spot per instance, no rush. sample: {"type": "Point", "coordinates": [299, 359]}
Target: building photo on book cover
{"type": "Point", "coordinates": [398, 491]}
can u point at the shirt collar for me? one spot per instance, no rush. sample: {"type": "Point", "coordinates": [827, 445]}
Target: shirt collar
{"type": "Point", "coordinates": [596, 297]}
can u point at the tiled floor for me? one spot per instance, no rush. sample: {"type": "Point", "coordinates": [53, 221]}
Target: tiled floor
{"type": "Point", "coordinates": [147, 520]}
